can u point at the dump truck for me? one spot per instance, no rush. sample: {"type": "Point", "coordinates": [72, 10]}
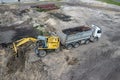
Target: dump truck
{"type": "Point", "coordinates": [73, 37]}
{"type": "Point", "coordinates": [68, 38]}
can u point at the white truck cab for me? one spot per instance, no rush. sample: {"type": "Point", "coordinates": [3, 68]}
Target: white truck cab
{"type": "Point", "coordinates": [97, 31]}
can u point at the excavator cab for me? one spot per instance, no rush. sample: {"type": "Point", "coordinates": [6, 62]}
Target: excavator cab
{"type": "Point", "coordinates": [46, 43]}
{"type": "Point", "coordinates": [41, 42]}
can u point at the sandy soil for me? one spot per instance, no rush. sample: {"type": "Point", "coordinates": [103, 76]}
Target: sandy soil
{"type": "Point", "coordinates": [95, 61]}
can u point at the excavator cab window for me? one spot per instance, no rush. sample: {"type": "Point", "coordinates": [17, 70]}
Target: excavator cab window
{"type": "Point", "coordinates": [41, 43]}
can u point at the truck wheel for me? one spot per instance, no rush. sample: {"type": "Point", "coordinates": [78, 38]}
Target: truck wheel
{"type": "Point", "coordinates": [76, 45]}
{"type": "Point", "coordinates": [69, 47]}
{"type": "Point", "coordinates": [87, 41]}
{"type": "Point", "coordinates": [95, 39]}
{"type": "Point", "coordinates": [42, 53]}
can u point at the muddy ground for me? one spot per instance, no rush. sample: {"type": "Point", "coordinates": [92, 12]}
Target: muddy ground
{"type": "Point", "coordinates": [95, 61]}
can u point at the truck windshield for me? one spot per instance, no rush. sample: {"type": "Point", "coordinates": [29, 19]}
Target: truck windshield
{"type": "Point", "coordinates": [99, 31]}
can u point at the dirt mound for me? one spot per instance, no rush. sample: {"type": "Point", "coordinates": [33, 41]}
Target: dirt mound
{"type": "Point", "coordinates": [19, 67]}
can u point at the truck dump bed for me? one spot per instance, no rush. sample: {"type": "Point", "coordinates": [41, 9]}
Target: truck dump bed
{"type": "Point", "coordinates": [75, 34]}
{"type": "Point", "coordinates": [76, 30]}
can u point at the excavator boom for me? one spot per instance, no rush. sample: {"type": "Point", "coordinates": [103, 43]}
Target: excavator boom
{"type": "Point", "coordinates": [22, 42]}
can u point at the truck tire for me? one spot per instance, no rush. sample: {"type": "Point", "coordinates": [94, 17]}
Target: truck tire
{"type": "Point", "coordinates": [95, 39]}
{"type": "Point", "coordinates": [76, 45]}
{"type": "Point", "coordinates": [87, 41]}
{"type": "Point", "coordinates": [69, 46]}
{"type": "Point", "coordinates": [42, 53]}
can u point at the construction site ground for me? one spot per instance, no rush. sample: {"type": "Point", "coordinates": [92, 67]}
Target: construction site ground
{"type": "Point", "coordinates": [94, 61]}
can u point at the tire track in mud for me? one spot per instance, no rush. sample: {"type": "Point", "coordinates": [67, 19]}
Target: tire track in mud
{"type": "Point", "coordinates": [114, 75]}
{"type": "Point", "coordinates": [102, 68]}
{"type": "Point", "coordinates": [94, 6]}
{"type": "Point", "coordinates": [100, 71]}
{"type": "Point", "coordinates": [81, 4]}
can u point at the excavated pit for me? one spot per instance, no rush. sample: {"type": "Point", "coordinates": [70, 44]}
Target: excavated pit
{"type": "Point", "coordinates": [11, 34]}
{"type": "Point", "coordinates": [16, 63]}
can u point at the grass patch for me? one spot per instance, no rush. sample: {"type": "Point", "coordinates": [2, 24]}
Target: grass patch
{"type": "Point", "coordinates": [40, 10]}
{"type": "Point", "coordinates": [111, 2]}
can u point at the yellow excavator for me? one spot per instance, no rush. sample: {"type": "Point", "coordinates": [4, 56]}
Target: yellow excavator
{"type": "Point", "coordinates": [43, 44]}
{"type": "Point", "coordinates": [46, 43]}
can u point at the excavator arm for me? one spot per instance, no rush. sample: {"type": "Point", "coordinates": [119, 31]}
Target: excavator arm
{"type": "Point", "coordinates": [21, 42]}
